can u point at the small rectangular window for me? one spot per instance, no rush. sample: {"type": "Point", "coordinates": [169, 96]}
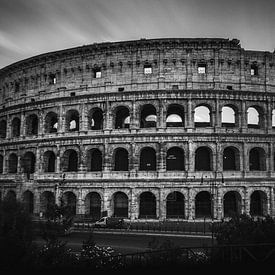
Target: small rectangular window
{"type": "Point", "coordinates": [147, 69]}
{"type": "Point", "coordinates": [253, 70]}
{"type": "Point", "coordinates": [97, 73]}
{"type": "Point", "coordinates": [202, 69]}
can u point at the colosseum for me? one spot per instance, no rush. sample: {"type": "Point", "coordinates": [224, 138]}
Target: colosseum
{"type": "Point", "coordinates": [147, 129]}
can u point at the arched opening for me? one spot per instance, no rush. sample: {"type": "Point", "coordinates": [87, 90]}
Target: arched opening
{"type": "Point", "coordinates": [231, 159]}
{"type": "Point", "coordinates": [94, 158]}
{"type": "Point", "coordinates": [148, 116]}
{"type": "Point", "coordinates": [69, 201]}
{"type": "Point", "coordinates": [175, 116]}
{"type": "Point", "coordinates": [93, 205]}
{"type": "Point", "coordinates": [202, 117]}
{"type": "Point", "coordinates": [28, 201]}
{"type": "Point", "coordinates": [13, 163]}
{"type": "Point", "coordinates": [273, 118]}
{"type": "Point", "coordinates": [72, 121]}
{"type": "Point", "coordinates": [228, 117]}
{"type": "Point", "coordinates": [28, 163]}
{"type": "Point", "coordinates": [258, 203]}
{"type": "Point", "coordinates": [121, 160]}
{"type": "Point", "coordinates": [253, 117]}
{"type": "Point", "coordinates": [51, 122]}
{"type": "Point", "coordinates": [203, 159]}
{"type": "Point", "coordinates": [95, 119]}
{"type": "Point", "coordinates": [1, 164]}
{"type": "Point", "coordinates": [70, 161]}
{"type": "Point", "coordinates": [3, 129]}
{"type": "Point", "coordinates": [47, 201]}
{"type": "Point", "coordinates": [232, 204]}
{"type": "Point", "coordinates": [203, 205]}
{"type": "Point", "coordinates": [32, 125]}
{"type": "Point", "coordinates": [147, 205]}
{"type": "Point", "coordinates": [175, 205]}
{"type": "Point", "coordinates": [147, 159]}
{"type": "Point", "coordinates": [11, 196]}
{"type": "Point", "coordinates": [175, 159]}
{"type": "Point", "coordinates": [122, 117]}
{"type": "Point", "coordinates": [257, 159]}
{"type": "Point", "coordinates": [15, 127]}
{"type": "Point", "coordinates": [49, 161]}
{"type": "Point", "coordinates": [120, 201]}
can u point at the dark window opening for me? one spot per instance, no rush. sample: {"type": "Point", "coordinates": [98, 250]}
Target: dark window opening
{"type": "Point", "coordinates": [72, 121]}
{"type": "Point", "coordinates": [70, 161]}
{"type": "Point", "coordinates": [47, 202]}
{"type": "Point", "coordinates": [97, 73]}
{"type": "Point", "coordinates": [3, 129]}
{"type": "Point", "coordinates": [232, 204]}
{"type": "Point", "coordinates": [32, 125]}
{"type": "Point", "coordinates": [69, 201]}
{"type": "Point", "coordinates": [49, 162]}
{"type": "Point", "coordinates": [175, 205]}
{"type": "Point", "coordinates": [93, 205]}
{"type": "Point", "coordinates": [147, 205]}
{"type": "Point", "coordinates": [28, 201]}
{"type": "Point", "coordinates": [28, 163]}
{"type": "Point", "coordinates": [96, 119]}
{"type": "Point", "coordinates": [15, 127]}
{"type": "Point", "coordinates": [51, 123]}
{"type": "Point", "coordinates": [121, 160]}
{"type": "Point", "coordinates": [254, 71]}
{"type": "Point", "coordinates": [257, 159]}
{"type": "Point", "coordinates": [148, 117]}
{"type": "Point", "coordinates": [147, 159]}
{"type": "Point", "coordinates": [120, 205]}
{"type": "Point", "coordinates": [203, 159]}
{"type": "Point", "coordinates": [175, 159]}
{"type": "Point", "coordinates": [122, 118]}
{"type": "Point", "coordinates": [258, 203]}
{"type": "Point", "coordinates": [203, 205]}
{"type": "Point", "coordinates": [1, 164]}
{"type": "Point", "coordinates": [230, 159]}
{"type": "Point", "coordinates": [52, 79]}
{"type": "Point", "coordinates": [13, 163]}
{"type": "Point", "coordinates": [94, 160]}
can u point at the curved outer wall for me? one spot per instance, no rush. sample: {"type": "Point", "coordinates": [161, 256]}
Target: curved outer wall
{"type": "Point", "coordinates": [67, 80]}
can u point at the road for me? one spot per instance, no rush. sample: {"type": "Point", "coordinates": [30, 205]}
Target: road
{"type": "Point", "coordinates": [130, 243]}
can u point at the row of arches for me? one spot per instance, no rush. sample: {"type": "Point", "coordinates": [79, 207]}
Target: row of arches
{"type": "Point", "coordinates": [175, 160]}
{"type": "Point", "coordinates": [175, 117]}
{"type": "Point", "coordinates": [175, 204]}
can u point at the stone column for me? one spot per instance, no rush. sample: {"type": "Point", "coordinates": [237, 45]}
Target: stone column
{"type": "Point", "coordinates": [84, 117]}
{"type": "Point", "coordinates": [80, 209]}
{"type": "Point", "coordinates": [189, 117]}
{"type": "Point", "coordinates": [61, 120]}
{"type": "Point", "coordinates": [161, 162]}
{"type": "Point", "coordinates": [246, 202]}
{"type": "Point", "coordinates": [161, 206]}
{"type": "Point", "coordinates": [243, 117]}
{"type": "Point", "coordinates": [23, 125]}
{"type": "Point", "coordinates": [133, 205]}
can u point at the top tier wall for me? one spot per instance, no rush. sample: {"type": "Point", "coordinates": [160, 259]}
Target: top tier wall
{"type": "Point", "coordinates": [174, 64]}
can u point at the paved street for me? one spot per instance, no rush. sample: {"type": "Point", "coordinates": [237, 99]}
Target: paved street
{"type": "Point", "coordinates": [131, 242]}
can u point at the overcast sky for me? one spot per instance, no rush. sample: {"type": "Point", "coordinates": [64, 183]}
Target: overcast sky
{"type": "Point", "coordinates": [31, 27]}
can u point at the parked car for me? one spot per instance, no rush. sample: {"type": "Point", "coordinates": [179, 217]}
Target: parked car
{"type": "Point", "coordinates": [109, 222]}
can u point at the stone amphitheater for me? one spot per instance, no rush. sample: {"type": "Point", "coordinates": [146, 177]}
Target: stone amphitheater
{"type": "Point", "coordinates": [147, 129]}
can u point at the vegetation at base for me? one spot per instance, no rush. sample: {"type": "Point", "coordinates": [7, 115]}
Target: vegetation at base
{"type": "Point", "coordinates": [244, 229]}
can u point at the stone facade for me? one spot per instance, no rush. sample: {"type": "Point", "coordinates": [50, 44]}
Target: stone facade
{"type": "Point", "coordinates": [65, 115]}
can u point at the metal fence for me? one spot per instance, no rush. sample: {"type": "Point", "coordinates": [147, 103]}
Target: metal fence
{"type": "Point", "coordinates": [229, 254]}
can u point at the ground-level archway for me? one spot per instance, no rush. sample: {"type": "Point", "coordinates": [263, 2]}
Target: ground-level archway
{"type": "Point", "coordinates": [232, 204]}
{"type": "Point", "coordinates": [203, 205]}
{"type": "Point", "coordinates": [175, 205]}
{"type": "Point", "coordinates": [147, 205]}
{"type": "Point", "coordinates": [93, 205]}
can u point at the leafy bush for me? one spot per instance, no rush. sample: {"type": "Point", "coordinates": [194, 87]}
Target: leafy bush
{"type": "Point", "coordinates": [244, 229]}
